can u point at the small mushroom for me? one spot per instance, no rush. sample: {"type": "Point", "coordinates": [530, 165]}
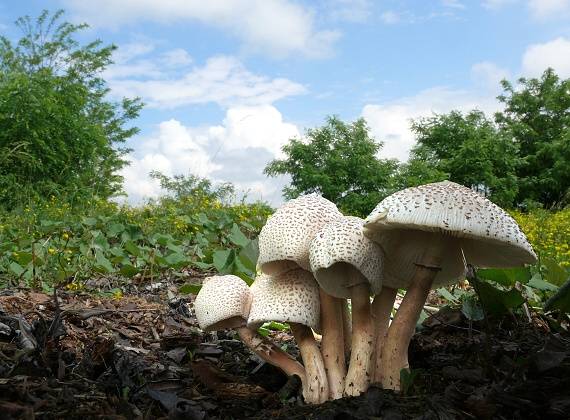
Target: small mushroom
{"type": "Point", "coordinates": [223, 303]}
{"type": "Point", "coordinates": [293, 297]}
{"type": "Point", "coordinates": [284, 245]}
{"type": "Point", "coordinates": [348, 265]}
{"type": "Point", "coordinates": [426, 232]}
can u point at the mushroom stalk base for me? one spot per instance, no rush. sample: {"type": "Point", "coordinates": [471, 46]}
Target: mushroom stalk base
{"type": "Point", "coordinates": [359, 371]}
{"type": "Point", "coordinates": [332, 345]}
{"type": "Point", "coordinates": [395, 349]}
{"type": "Point", "coordinates": [381, 310]}
{"type": "Point", "coordinates": [271, 353]}
{"type": "Point", "coordinates": [316, 387]}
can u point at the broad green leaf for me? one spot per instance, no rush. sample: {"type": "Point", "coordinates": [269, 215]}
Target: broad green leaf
{"type": "Point", "coordinates": [177, 260]}
{"type": "Point", "coordinates": [114, 229]}
{"type": "Point", "coordinates": [498, 302]}
{"type": "Point", "coordinates": [472, 309]}
{"type": "Point", "coordinates": [117, 252]}
{"type": "Point", "coordinates": [23, 258]}
{"type": "Point", "coordinates": [128, 270]}
{"type": "Point", "coordinates": [506, 276]}
{"type": "Point", "coordinates": [222, 259]}
{"type": "Point", "coordinates": [554, 273]}
{"type": "Point", "coordinates": [538, 283]}
{"type": "Point", "coordinates": [132, 233]}
{"type": "Point", "coordinates": [102, 264]}
{"type": "Point", "coordinates": [188, 288]}
{"type": "Point", "coordinates": [89, 221]}
{"type": "Point", "coordinates": [202, 265]}
{"type": "Point", "coordinates": [132, 248]}
{"type": "Point", "coordinates": [249, 254]}
{"type": "Point", "coordinates": [237, 237]}
{"type": "Point", "coordinates": [560, 300]}
{"type": "Point", "coordinates": [446, 294]}
{"type": "Point", "coordinates": [16, 268]}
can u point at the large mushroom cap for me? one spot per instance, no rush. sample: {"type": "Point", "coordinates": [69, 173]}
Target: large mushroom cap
{"type": "Point", "coordinates": [341, 243]}
{"type": "Point", "coordinates": [404, 223]}
{"type": "Point", "coordinates": [223, 302]}
{"type": "Point", "coordinates": [284, 240]}
{"type": "Point", "coordinates": [290, 297]}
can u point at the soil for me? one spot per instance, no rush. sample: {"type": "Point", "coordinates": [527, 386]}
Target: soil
{"type": "Point", "coordinates": [76, 355]}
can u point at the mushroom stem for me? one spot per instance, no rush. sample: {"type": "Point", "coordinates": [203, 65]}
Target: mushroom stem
{"type": "Point", "coordinates": [395, 348]}
{"type": "Point", "coordinates": [359, 369]}
{"type": "Point", "coordinates": [332, 344]}
{"type": "Point", "coordinates": [316, 390]}
{"type": "Point", "coordinates": [271, 353]}
{"type": "Point", "coordinates": [346, 328]}
{"type": "Point", "coordinates": [381, 310]}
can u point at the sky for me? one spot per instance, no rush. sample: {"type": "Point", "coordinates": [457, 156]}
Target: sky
{"type": "Point", "coordinates": [226, 83]}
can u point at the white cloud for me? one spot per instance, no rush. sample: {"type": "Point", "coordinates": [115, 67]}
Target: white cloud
{"type": "Point", "coordinates": [390, 122]}
{"type": "Point", "coordinates": [223, 80]}
{"type": "Point", "coordinates": [236, 151]}
{"type": "Point", "coordinates": [277, 27]}
{"type": "Point", "coordinates": [246, 127]}
{"type": "Point", "coordinates": [488, 75]}
{"type": "Point", "coordinates": [546, 9]}
{"type": "Point", "coordinates": [172, 150]}
{"type": "Point", "coordinates": [555, 54]}
{"type": "Point", "coordinates": [497, 4]}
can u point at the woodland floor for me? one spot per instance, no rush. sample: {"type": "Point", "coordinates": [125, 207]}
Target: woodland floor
{"type": "Point", "coordinates": [142, 356]}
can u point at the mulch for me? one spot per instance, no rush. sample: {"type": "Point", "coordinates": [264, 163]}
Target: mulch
{"type": "Point", "coordinates": [79, 355]}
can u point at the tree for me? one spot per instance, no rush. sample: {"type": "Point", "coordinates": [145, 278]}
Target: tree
{"type": "Point", "coordinates": [537, 118]}
{"type": "Point", "coordinates": [58, 132]}
{"type": "Point", "coordinates": [338, 160]}
{"type": "Point", "coordinates": [470, 150]}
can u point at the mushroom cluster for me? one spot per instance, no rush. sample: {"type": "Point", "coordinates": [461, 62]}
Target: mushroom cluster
{"type": "Point", "coordinates": [313, 260]}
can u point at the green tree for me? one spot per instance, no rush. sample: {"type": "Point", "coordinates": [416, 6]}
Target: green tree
{"type": "Point", "coordinates": [537, 118]}
{"type": "Point", "coordinates": [340, 161]}
{"type": "Point", "coordinates": [470, 150]}
{"type": "Point", "coordinates": [58, 132]}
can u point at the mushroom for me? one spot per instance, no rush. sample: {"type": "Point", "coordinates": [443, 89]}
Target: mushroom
{"type": "Point", "coordinates": [348, 265]}
{"type": "Point", "coordinates": [284, 245]}
{"type": "Point", "coordinates": [223, 302]}
{"type": "Point", "coordinates": [427, 233]}
{"type": "Point", "coordinates": [293, 297]}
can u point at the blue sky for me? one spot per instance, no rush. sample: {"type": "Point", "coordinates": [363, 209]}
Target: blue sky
{"type": "Point", "coordinates": [226, 83]}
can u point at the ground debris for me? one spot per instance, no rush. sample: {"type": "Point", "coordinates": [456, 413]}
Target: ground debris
{"type": "Point", "coordinates": [142, 356]}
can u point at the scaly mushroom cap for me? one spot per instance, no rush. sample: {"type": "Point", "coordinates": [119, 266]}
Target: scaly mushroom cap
{"type": "Point", "coordinates": [290, 297]}
{"type": "Point", "coordinates": [284, 240]}
{"type": "Point", "coordinates": [404, 224]}
{"type": "Point", "coordinates": [222, 302]}
{"type": "Point", "coordinates": [340, 243]}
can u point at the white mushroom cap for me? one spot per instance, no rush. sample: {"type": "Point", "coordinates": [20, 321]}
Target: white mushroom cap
{"type": "Point", "coordinates": [290, 297]}
{"type": "Point", "coordinates": [404, 224]}
{"type": "Point", "coordinates": [340, 243]}
{"type": "Point", "coordinates": [284, 240]}
{"type": "Point", "coordinates": [222, 302]}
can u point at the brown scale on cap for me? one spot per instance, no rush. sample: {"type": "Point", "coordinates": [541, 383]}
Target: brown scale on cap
{"type": "Point", "coordinates": [223, 302]}
{"type": "Point", "coordinates": [290, 297]}
{"type": "Point", "coordinates": [402, 224]}
{"type": "Point", "coordinates": [343, 242]}
{"type": "Point", "coordinates": [284, 240]}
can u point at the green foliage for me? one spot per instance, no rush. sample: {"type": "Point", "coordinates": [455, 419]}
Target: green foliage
{"type": "Point", "coordinates": [339, 161]}
{"type": "Point", "coordinates": [58, 133]}
{"type": "Point", "coordinates": [53, 243]}
{"type": "Point", "coordinates": [470, 150]}
{"type": "Point", "coordinates": [537, 117]}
